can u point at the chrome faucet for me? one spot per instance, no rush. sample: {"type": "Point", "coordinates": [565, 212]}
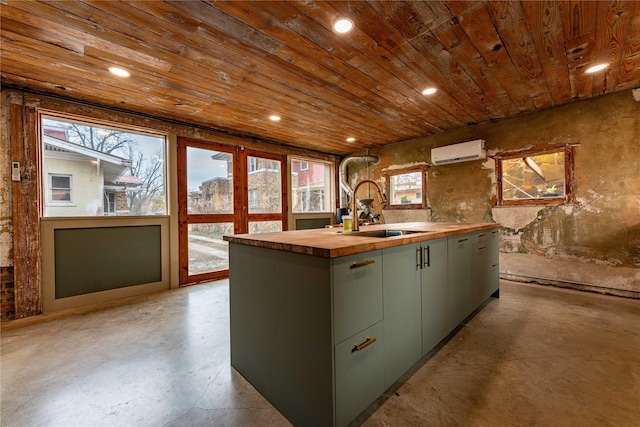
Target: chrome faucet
{"type": "Point", "coordinates": [354, 210]}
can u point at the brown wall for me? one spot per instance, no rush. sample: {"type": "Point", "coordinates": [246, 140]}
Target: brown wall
{"type": "Point", "coordinates": [593, 244]}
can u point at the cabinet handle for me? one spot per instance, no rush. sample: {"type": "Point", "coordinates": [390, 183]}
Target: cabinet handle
{"type": "Point", "coordinates": [481, 235]}
{"type": "Point", "coordinates": [482, 247]}
{"type": "Point", "coordinates": [362, 264]}
{"type": "Point", "coordinates": [428, 263]}
{"type": "Point", "coordinates": [493, 232]}
{"type": "Point", "coordinates": [495, 265]}
{"type": "Point", "coordinates": [462, 240]}
{"type": "Point", "coordinates": [367, 343]}
{"type": "Point", "coordinates": [418, 258]}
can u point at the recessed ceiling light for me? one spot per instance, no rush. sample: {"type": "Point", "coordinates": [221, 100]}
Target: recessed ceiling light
{"type": "Point", "coordinates": [120, 72]}
{"type": "Point", "coordinates": [429, 91]}
{"type": "Point", "coordinates": [342, 25]}
{"type": "Point", "coordinates": [596, 68]}
{"type": "Point", "coordinates": [274, 118]}
{"type": "Point", "coordinates": [351, 139]}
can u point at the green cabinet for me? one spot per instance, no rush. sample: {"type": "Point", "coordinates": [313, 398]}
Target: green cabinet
{"type": "Point", "coordinates": [460, 301]}
{"type": "Point", "coordinates": [356, 290]}
{"type": "Point", "coordinates": [435, 293]}
{"type": "Point", "coordinates": [485, 265]}
{"type": "Point", "coordinates": [322, 338]}
{"type": "Point", "coordinates": [401, 281]}
{"type": "Point", "coordinates": [359, 375]}
{"type": "Point", "coordinates": [357, 293]}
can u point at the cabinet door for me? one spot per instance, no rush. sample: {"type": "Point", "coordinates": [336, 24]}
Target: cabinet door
{"type": "Point", "coordinates": [485, 266]}
{"type": "Point", "coordinates": [435, 293]}
{"type": "Point", "coordinates": [359, 373]}
{"type": "Point", "coordinates": [401, 271]}
{"type": "Point", "coordinates": [460, 301]}
{"type": "Point", "coordinates": [357, 293]}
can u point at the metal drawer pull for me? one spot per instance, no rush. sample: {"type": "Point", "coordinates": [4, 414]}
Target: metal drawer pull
{"type": "Point", "coordinates": [367, 343]}
{"type": "Point", "coordinates": [482, 247]}
{"type": "Point", "coordinates": [462, 240]}
{"type": "Point", "coordinates": [495, 265]}
{"type": "Point", "coordinates": [362, 264]}
{"type": "Point", "coordinates": [481, 235]}
{"type": "Point", "coordinates": [418, 258]}
{"type": "Point", "coordinates": [428, 263]}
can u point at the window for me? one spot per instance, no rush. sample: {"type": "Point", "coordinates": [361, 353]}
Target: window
{"type": "Point", "coordinates": [253, 199]}
{"type": "Point", "coordinates": [310, 186]}
{"type": "Point", "coordinates": [109, 202]}
{"type": "Point", "coordinates": [406, 188]}
{"type": "Point", "coordinates": [253, 164]}
{"type": "Point", "coordinates": [114, 170]}
{"type": "Point", "coordinates": [535, 177]}
{"type": "Point", "coordinates": [60, 189]}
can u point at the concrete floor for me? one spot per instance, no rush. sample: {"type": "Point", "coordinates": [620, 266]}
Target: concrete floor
{"type": "Point", "coordinates": [538, 356]}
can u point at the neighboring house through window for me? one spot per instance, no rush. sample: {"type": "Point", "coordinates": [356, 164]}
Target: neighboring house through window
{"type": "Point", "coordinates": [92, 170]}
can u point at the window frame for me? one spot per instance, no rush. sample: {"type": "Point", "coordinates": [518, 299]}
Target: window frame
{"type": "Point", "coordinates": [327, 190]}
{"type": "Point", "coordinates": [50, 200]}
{"type": "Point", "coordinates": [423, 170]}
{"type": "Point", "coordinates": [569, 176]}
{"type": "Point", "coordinates": [45, 193]}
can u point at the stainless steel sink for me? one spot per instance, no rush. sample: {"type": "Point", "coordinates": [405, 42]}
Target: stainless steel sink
{"type": "Point", "coordinates": [382, 233]}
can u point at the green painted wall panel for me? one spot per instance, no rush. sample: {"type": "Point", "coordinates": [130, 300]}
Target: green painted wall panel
{"type": "Point", "coordinates": [98, 259]}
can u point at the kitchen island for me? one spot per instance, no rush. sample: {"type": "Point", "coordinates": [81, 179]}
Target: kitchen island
{"type": "Point", "coordinates": [322, 322]}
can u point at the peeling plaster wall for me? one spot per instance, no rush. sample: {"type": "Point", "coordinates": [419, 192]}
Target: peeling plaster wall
{"type": "Point", "coordinates": [595, 242]}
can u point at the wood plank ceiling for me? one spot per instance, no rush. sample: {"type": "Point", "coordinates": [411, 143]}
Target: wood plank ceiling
{"type": "Point", "coordinates": [230, 65]}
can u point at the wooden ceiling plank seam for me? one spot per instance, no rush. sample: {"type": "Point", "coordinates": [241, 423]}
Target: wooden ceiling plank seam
{"type": "Point", "coordinates": [457, 42]}
{"type": "Point", "coordinates": [579, 26]}
{"type": "Point", "coordinates": [325, 61]}
{"type": "Point", "coordinates": [474, 19]}
{"type": "Point", "coordinates": [427, 17]}
{"type": "Point", "coordinates": [449, 92]}
{"type": "Point", "coordinates": [545, 24]}
{"type": "Point", "coordinates": [93, 34]}
{"type": "Point", "coordinates": [102, 87]}
{"type": "Point", "coordinates": [377, 85]}
{"type": "Point", "coordinates": [508, 19]}
{"type": "Point", "coordinates": [346, 101]}
{"type": "Point", "coordinates": [630, 64]}
{"type": "Point", "coordinates": [468, 92]}
{"type": "Point", "coordinates": [192, 92]}
{"type": "Point", "coordinates": [612, 26]}
{"type": "Point", "coordinates": [273, 78]}
{"type": "Point", "coordinates": [361, 41]}
{"type": "Point", "coordinates": [62, 40]}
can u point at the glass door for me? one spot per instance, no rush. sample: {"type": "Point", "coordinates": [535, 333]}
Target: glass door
{"type": "Point", "coordinates": [206, 209]}
{"type": "Point", "coordinates": [224, 190]}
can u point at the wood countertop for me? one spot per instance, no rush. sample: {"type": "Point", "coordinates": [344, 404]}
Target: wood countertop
{"type": "Point", "coordinates": [333, 243]}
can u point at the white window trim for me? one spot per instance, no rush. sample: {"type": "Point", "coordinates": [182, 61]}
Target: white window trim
{"type": "Point", "coordinates": [50, 201]}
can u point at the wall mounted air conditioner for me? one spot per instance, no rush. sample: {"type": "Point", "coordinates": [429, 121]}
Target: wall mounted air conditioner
{"type": "Point", "coordinates": [462, 152]}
